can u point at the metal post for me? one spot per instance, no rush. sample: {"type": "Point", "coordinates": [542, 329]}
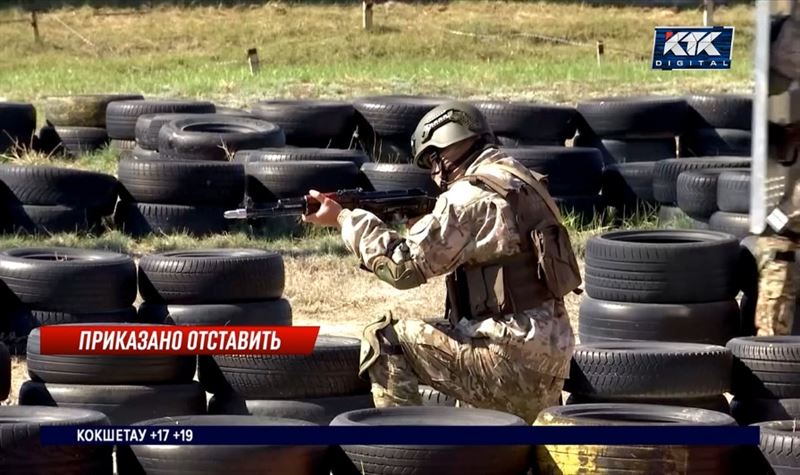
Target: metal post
{"type": "Point", "coordinates": [253, 61]}
{"type": "Point", "coordinates": [600, 51]}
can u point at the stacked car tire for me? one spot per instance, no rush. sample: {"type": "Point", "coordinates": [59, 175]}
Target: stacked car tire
{"type": "Point", "coordinates": [45, 286]}
{"type": "Point", "coordinates": [661, 285]}
{"type": "Point", "coordinates": [766, 384]}
{"type": "Point", "coordinates": [17, 126]}
{"type": "Point", "coordinates": [668, 373]}
{"type": "Point", "coordinates": [43, 199]}
{"type": "Point", "coordinates": [311, 124]}
{"type": "Point", "coordinates": [733, 202]}
{"type": "Point", "coordinates": [521, 124]}
{"type": "Point", "coordinates": [717, 125]}
{"type": "Point", "coordinates": [666, 176]}
{"type": "Point", "coordinates": [76, 125]}
{"type": "Point", "coordinates": [698, 193]}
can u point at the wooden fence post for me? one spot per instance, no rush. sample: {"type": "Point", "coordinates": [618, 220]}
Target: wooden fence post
{"type": "Point", "coordinates": [600, 51]}
{"type": "Point", "coordinates": [35, 25]}
{"type": "Point", "coordinates": [708, 13]}
{"type": "Point", "coordinates": [366, 8]}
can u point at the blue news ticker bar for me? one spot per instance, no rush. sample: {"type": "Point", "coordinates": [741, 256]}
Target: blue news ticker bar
{"type": "Point", "coordinates": [406, 435]}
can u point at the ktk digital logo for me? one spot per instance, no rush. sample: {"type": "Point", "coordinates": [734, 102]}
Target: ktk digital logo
{"type": "Point", "coordinates": [693, 48]}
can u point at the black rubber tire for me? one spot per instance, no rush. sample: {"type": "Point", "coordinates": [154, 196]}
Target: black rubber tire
{"type": "Point", "coordinates": [143, 154]}
{"type": "Point", "coordinates": [672, 216]}
{"type": "Point", "coordinates": [766, 367]}
{"type": "Point", "coordinates": [104, 369]}
{"type": "Point", "coordinates": [224, 110]}
{"type": "Point", "coordinates": [22, 452]}
{"type": "Point", "coordinates": [122, 315]}
{"type": "Point", "coordinates": [569, 170]}
{"type": "Point", "coordinates": [630, 150]}
{"type": "Point", "coordinates": [40, 185]}
{"type": "Point", "coordinates": [211, 276]}
{"type": "Point", "coordinates": [317, 410]}
{"type": "Point", "coordinates": [530, 122]}
{"type": "Point", "coordinates": [432, 397]}
{"type": "Point", "coordinates": [731, 223]}
{"type": "Point", "coordinates": [652, 369]}
{"type": "Point", "coordinates": [78, 141]}
{"type": "Point", "coordinates": [302, 155]}
{"type": "Point", "coordinates": [751, 411]}
{"type": "Point", "coordinates": [666, 172]}
{"type": "Point", "coordinates": [711, 142]}
{"type": "Point", "coordinates": [662, 266]}
{"type": "Point", "coordinates": [214, 460]}
{"type": "Point", "coordinates": [141, 219]}
{"type": "Point", "coordinates": [712, 323]}
{"type": "Point", "coordinates": [148, 127]}
{"type": "Point", "coordinates": [216, 137]}
{"type": "Point", "coordinates": [733, 191]}
{"type": "Point", "coordinates": [68, 280]}
{"type": "Point", "coordinates": [121, 116]}
{"type": "Point", "coordinates": [47, 220]}
{"type": "Point", "coordinates": [310, 123]}
{"type": "Point", "coordinates": [17, 125]}
{"type": "Point", "coordinates": [5, 372]}
{"type": "Point", "coordinates": [399, 176]}
{"type": "Point", "coordinates": [331, 370]}
{"type": "Point", "coordinates": [395, 116]}
{"type": "Point", "coordinates": [516, 142]}
{"type": "Point", "coordinates": [120, 146]}
{"type": "Point", "coordinates": [609, 459]}
{"type": "Point", "coordinates": [626, 184]}
{"type": "Point", "coordinates": [717, 403]}
{"type": "Point", "coordinates": [263, 313]}
{"type": "Point", "coordinates": [123, 404]}
{"type": "Point", "coordinates": [441, 459]}
{"type": "Point", "coordinates": [47, 141]}
{"type": "Point", "coordinates": [780, 443]}
{"type": "Point", "coordinates": [185, 182]}
{"type": "Point", "coordinates": [720, 111]}
{"type": "Point", "coordinates": [83, 110]}
{"type": "Point", "coordinates": [696, 192]}
{"type": "Point", "coordinates": [267, 181]}
{"type": "Point", "coordinates": [635, 117]}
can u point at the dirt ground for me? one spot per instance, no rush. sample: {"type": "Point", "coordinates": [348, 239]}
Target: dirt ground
{"type": "Point", "coordinates": [335, 294]}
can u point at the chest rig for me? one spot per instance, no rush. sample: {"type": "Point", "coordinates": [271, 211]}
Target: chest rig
{"type": "Point", "coordinates": [544, 269]}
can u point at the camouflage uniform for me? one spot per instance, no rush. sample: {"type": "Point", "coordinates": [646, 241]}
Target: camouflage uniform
{"type": "Point", "coordinates": [778, 285]}
{"type": "Point", "coordinates": [516, 363]}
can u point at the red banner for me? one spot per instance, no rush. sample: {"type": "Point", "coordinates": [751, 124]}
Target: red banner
{"type": "Point", "coordinates": [175, 340]}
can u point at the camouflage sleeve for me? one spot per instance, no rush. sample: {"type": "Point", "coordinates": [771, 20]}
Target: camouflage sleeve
{"type": "Point", "coordinates": [453, 233]}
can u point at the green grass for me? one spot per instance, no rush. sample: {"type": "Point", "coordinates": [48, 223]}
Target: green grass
{"type": "Point", "coordinates": [320, 51]}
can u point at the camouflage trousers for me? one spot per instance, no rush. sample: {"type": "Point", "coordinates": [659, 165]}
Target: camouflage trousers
{"type": "Point", "coordinates": [777, 285]}
{"type": "Point", "coordinates": [464, 368]}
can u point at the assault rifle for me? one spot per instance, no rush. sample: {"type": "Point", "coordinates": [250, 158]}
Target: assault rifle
{"type": "Point", "coordinates": [387, 205]}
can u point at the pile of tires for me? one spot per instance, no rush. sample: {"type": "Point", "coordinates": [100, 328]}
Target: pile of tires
{"type": "Point", "coordinates": [632, 129]}
{"type": "Point", "coordinates": [661, 285]}
{"type": "Point", "coordinates": [733, 203]}
{"type": "Point", "coordinates": [289, 460]}
{"type": "Point", "coordinates": [22, 451]}
{"type": "Point", "coordinates": [127, 389]}
{"type": "Point", "coordinates": [45, 200]}
{"type": "Point", "coordinates": [5, 372]}
{"type": "Point", "coordinates": [385, 124]}
{"type": "Point", "coordinates": [778, 443]}
{"type": "Point", "coordinates": [17, 126]}
{"type": "Point", "coordinates": [121, 116]}
{"type": "Point", "coordinates": [766, 380]}
{"type": "Point", "coordinates": [309, 123]}
{"type": "Point", "coordinates": [522, 124]}
{"type": "Point", "coordinates": [445, 459]}
{"type": "Point", "coordinates": [698, 194]}
{"type": "Point", "coordinates": [76, 125]}
{"type": "Point", "coordinates": [573, 459]}
{"type": "Point", "coordinates": [653, 372]}
{"type": "Point", "coordinates": [717, 125]}
{"type": "Point", "coordinates": [701, 186]}
{"type": "Point", "coordinates": [46, 286]}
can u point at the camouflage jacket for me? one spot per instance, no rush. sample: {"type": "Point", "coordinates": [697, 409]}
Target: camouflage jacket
{"type": "Point", "coordinates": [471, 225]}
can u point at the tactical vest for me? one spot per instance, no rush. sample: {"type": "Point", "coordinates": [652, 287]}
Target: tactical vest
{"type": "Point", "coordinates": [545, 268]}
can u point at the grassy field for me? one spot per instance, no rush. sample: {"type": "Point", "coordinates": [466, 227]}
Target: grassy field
{"type": "Point", "coordinates": [461, 49]}
{"type": "Point", "coordinates": [458, 49]}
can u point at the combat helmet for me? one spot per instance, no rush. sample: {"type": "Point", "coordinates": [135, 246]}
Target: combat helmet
{"type": "Point", "coordinates": [445, 125]}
